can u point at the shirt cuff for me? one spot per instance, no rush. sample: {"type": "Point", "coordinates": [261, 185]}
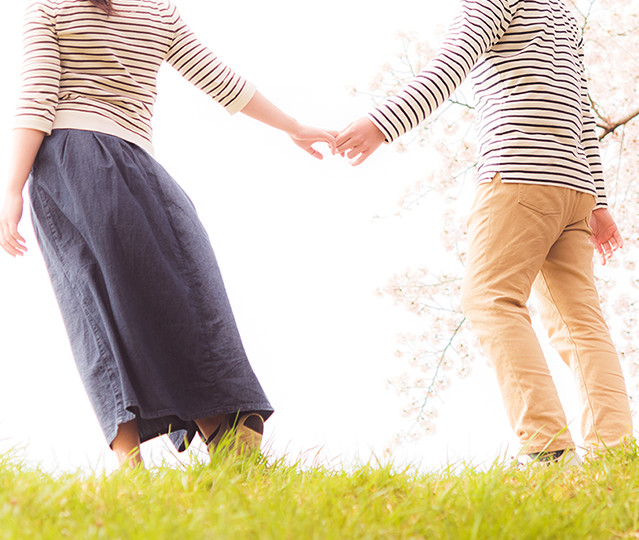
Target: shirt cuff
{"type": "Point", "coordinates": [242, 99]}
{"type": "Point", "coordinates": [384, 125]}
{"type": "Point", "coordinates": [33, 122]}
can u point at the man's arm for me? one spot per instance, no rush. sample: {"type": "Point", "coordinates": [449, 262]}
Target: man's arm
{"type": "Point", "coordinates": [606, 237]}
{"type": "Point", "coordinates": [589, 139]}
{"type": "Point", "coordinates": [477, 28]}
{"type": "Point", "coordinates": [479, 25]}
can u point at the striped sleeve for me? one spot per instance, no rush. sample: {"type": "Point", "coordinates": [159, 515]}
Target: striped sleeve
{"type": "Point", "coordinates": [589, 138]}
{"type": "Point", "coordinates": [200, 66]}
{"type": "Point", "coordinates": [41, 70]}
{"type": "Point", "coordinates": [479, 25]}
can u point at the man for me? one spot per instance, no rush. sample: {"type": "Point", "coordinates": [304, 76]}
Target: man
{"type": "Point", "coordinates": [540, 198]}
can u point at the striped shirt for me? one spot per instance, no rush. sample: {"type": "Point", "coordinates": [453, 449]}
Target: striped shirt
{"type": "Point", "coordinates": [525, 58]}
{"type": "Point", "coordinates": [84, 70]}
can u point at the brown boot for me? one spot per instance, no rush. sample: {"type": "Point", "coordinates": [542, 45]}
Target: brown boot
{"type": "Point", "coordinates": [245, 433]}
{"type": "Point", "coordinates": [250, 428]}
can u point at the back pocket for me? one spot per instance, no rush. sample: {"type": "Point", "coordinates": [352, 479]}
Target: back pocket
{"type": "Point", "coordinates": [545, 200]}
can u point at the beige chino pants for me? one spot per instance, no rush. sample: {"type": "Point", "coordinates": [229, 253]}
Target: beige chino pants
{"type": "Point", "coordinates": [523, 236]}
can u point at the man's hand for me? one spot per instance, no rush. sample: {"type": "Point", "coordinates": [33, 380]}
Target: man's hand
{"type": "Point", "coordinates": [359, 140]}
{"type": "Point", "coordinates": [606, 237]}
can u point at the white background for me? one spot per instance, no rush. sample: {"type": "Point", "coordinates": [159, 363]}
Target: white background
{"type": "Point", "coordinates": [300, 250]}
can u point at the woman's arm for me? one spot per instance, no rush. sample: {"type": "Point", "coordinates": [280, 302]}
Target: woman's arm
{"type": "Point", "coordinates": [200, 66]}
{"type": "Point", "coordinates": [264, 111]}
{"type": "Point", "coordinates": [34, 118]}
{"type": "Point", "coordinates": [26, 143]}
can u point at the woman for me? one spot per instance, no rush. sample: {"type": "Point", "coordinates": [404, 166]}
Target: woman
{"type": "Point", "coordinates": [134, 273]}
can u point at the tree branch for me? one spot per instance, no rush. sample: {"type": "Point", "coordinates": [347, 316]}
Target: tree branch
{"type": "Point", "coordinates": [609, 126]}
{"type": "Point", "coordinates": [440, 363]}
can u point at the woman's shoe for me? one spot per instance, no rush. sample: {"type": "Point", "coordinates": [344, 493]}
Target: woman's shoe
{"type": "Point", "coordinates": [214, 440]}
{"type": "Point", "coordinates": [243, 435]}
{"type": "Point", "coordinates": [250, 428]}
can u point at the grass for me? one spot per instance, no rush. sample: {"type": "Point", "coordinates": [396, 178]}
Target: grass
{"type": "Point", "coordinates": [252, 498]}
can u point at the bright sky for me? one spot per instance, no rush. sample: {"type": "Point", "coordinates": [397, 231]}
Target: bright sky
{"type": "Point", "coordinates": [297, 242]}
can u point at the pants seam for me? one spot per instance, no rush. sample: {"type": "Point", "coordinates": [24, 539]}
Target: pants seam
{"type": "Point", "coordinates": [575, 348]}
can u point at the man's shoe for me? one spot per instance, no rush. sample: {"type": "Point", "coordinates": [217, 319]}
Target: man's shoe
{"type": "Point", "coordinates": [566, 458]}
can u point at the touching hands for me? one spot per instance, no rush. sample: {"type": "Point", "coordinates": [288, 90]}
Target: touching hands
{"type": "Point", "coordinates": [606, 236]}
{"type": "Point", "coordinates": [262, 110]}
{"type": "Point", "coordinates": [359, 140]}
{"type": "Point", "coordinates": [305, 136]}
{"type": "Point", "coordinates": [10, 214]}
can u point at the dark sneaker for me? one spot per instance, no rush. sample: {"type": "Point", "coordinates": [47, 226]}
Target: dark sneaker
{"type": "Point", "coordinates": [564, 458]}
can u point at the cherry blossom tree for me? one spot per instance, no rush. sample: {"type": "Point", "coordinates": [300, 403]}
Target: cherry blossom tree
{"type": "Point", "coordinates": [445, 348]}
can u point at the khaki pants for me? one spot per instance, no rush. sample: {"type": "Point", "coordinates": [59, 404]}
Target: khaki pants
{"type": "Point", "coordinates": [524, 236]}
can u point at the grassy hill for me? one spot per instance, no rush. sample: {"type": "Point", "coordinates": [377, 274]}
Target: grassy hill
{"type": "Point", "coordinates": [252, 498]}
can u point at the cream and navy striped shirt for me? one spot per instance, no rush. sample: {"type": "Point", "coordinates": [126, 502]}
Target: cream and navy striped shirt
{"type": "Point", "coordinates": [84, 70]}
{"type": "Point", "coordinates": [535, 122]}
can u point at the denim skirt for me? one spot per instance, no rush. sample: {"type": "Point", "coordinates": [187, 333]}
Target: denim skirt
{"type": "Point", "coordinates": [139, 288]}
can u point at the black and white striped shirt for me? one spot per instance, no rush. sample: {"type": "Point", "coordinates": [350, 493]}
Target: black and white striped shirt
{"type": "Point", "coordinates": [86, 70]}
{"type": "Point", "coordinates": [535, 122]}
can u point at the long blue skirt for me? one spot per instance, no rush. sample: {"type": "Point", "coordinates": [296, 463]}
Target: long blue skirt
{"type": "Point", "coordinates": [139, 288]}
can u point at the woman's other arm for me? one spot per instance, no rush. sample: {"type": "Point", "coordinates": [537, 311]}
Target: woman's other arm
{"type": "Point", "coordinates": [34, 117]}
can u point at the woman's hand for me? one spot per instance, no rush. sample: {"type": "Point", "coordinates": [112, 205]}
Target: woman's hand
{"type": "Point", "coordinates": [262, 110]}
{"type": "Point", "coordinates": [605, 235]}
{"type": "Point", "coordinates": [306, 136]}
{"type": "Point", "coordinates": [26, 143]}
{"type": "Point", "coordinates": [10, 214]}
